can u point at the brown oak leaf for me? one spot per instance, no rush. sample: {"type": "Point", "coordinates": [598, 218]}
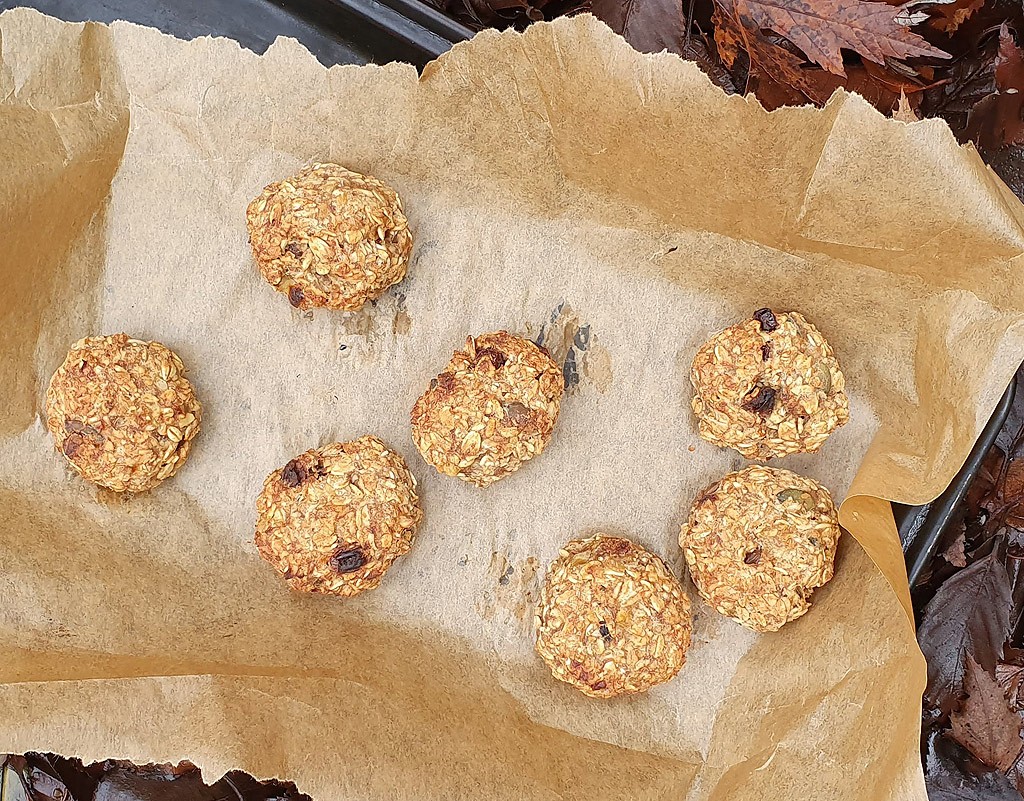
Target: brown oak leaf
{"type": "Point", "coordinates": [984, 723]}
{"type": "Point", "coordinates": [950, 16]}
{"type": "Point", "coordinates": [954, 554]}
{"type": "Point", "coordinates": [968, 617]}
{"type": "Point", "coordinates": [820, 28]}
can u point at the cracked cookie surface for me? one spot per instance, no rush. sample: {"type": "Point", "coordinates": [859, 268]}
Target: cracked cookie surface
{"type": "Point", "coordinates": [768, 387]}
{"type": "Point", "coordinates": [122, 412]}
{"type": "Point", "coordinates": [334, 519]}
{"type": "Point", "coordinates": [758, 542]}
{"type": "Point", "coordinates": [329, 237]}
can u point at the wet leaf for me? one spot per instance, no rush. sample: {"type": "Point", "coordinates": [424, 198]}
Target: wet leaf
{"type": "Point", "coordinates": [984, 723]}
{"type": "Point", "coordinates": [969, 616]}
{"type": "Point", "coordinates": [820, 28]}
{"type": "Point", "coordinates": [950, 16]}
{"type": "Point", "coordinates": [947, 780]}
{"type": "Point", "coordinates": [997, 120]}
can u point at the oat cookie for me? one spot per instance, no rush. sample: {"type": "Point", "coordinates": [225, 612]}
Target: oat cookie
{"type": "Point", "coordinates": [612, 619]}
{"type": "Point", "coordinates": [758, 542]}
{"type": "Point", "coordinates": [122, 412]}
{"type": "Point", "coordinates": [334, 519]}
{"type": "Point", "coordinates": [492, 409]}
{"type": "Point", "coordinates": [768, 386]}
{"type": "Point", "coordinates": [329, 237]}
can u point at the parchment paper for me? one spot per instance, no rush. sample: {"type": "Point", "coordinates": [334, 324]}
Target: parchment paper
{"type": "Point", "coordinates": [560, 185]}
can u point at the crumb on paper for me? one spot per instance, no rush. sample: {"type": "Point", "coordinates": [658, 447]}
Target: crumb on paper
{"type": "Point", "coordinates": [758, 542]}
{"type": "Point", "coordinates": [768, 387]}
{"type": "Point", "coordinates": [334, 519]}
{"type": "Point", "coordinates": [612, 619]}
{"type": "Point", "coordinates": [491, 410]}
{"type": "Point", "coordinates": [328, 237]}
{"type": "Point", "coordinates": [122, 412]}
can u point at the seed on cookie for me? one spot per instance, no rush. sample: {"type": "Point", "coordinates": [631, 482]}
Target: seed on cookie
{"type": "Point", "coordinates": [122, 412]}
{"type": "Point", "coordinates": [612, 619]}
{"type": "Point", "coordinates": [757, 544]}
{"type": "Point", "coordinates": [329, 237]}
{"type": "Point", "coordinates": [334, 519]}
{"type": "Point", "coordinates": [491, 410]}
{"type": "Point", "coordinates": [768, 387]}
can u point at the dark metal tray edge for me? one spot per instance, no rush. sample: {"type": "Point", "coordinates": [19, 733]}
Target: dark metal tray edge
{"type": "Point", "coordinates": [921, 527]}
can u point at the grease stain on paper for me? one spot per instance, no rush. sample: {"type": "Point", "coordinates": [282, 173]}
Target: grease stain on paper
{"type": "Point", "coordinates": [512, 590]}
{"type": "Point", "coordinates": [572, 343]}
{"type": "Point", "coordinates": [383, 319]}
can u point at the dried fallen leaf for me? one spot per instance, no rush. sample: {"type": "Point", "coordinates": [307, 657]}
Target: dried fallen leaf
{"type": "Point", "coordinates": [905, 113]}
{"type": "Point", "coordinates": [950, 16]}
{"type": "Point", "coordinates": [729, 35]}
{"type": "Point", "coordinates": [984, 723]}
{"type": "Point", "coordinates": [1016, 773]}
{"type": "Point", "coordinates": [820, 28]}
{"type": "Point", "coordinates": [734, 31]}
{"type": "Point", "coordinates": [954, 554]}
{"type": "Point", "coordinates": [969, 616]}
{"type": "Point", "coordinates": [998, 119]}
{"type": "Point", "coordinates": [987, 720]}
{"type": "Point", "coordinates": [880, 86]}
{"type": "Point", "coordinates": [947, 780]}
{"type": "Point", "coordinates": [650, 26]}
{"type": "Point", "coordinates": [1010, 678]}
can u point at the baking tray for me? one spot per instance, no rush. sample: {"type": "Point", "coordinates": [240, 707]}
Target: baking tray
{"type": "Point", "coordinates": [921, 527]}
{"type": "Point", "coordinates": [378, 31]}
{"type": "Point", "coordinates": [335, 31]}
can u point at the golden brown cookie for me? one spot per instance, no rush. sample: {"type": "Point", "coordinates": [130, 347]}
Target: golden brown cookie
{"type": "Point", "coordinates": [768, 386]}
{"type": "Point", "coordinates": [329, 237]}
{"type": "Point", "coordinates": [122, 412]}
{"type": "Point", "coordinates": [758, 542]}
{"type": "Point", "coordinates": [612, 619]}
{"type": "Point", "coordinates": [334, 519]}
{"type": "Point", "coordinates": [491, 410]}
